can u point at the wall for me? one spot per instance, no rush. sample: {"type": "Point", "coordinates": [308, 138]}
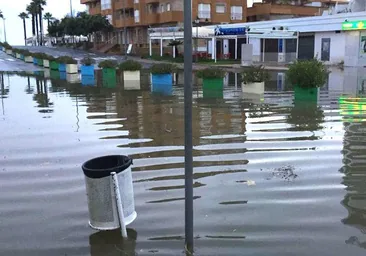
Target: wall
{"type": "Point", "coordinates": [352, 48]}
{"type": "Point", "coordinates": [337, 46]}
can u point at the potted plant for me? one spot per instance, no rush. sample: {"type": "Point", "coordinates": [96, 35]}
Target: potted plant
{"type": "Point", "coordinates": [307, 76]}
{"type": "Point", "coordinates": [162, 77]}
{"type": "Point", "coordinates": [108, 69]}
{"type": "Point", "coordinates": [131, 74]}
{"type": "Point", "coordinates": [253, 78]}
{"type": "Point", "coordinates": [87, 66]}
{"type": "Point", "coordinates": [213, 82]}
{"type": "Point", "coordinates": [67, 64]}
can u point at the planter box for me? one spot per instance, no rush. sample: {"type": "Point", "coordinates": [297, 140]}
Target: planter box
{"type": "Point", "coordinates": [17, 55]}
{"type": "Point", "coordinates": [54, 74]}
{"type": "Point", "coordinates": [87, 70]}
{"type": "Point", "coordinates": [72, 68]}
{"type": "Point", "coordinates": [53, 65]}
{"type": "Point", "coordinates": [213, 88]}
{"type": "Point", "coordinates": [109, 73]}
{"type": "Point", "coordinates": [47, 73]}
{"type": "Point", "coordinates": [22, 57]}
{"type": "Point", "coordinates": [28, 59]}
{"type": "Point", "coordinates": [46, 63]}
{"type": "Point", "coordinates": [72, 78]}
{"type": "Point", "coordinates": [306, 94]}
{"type": "Point", "coordinates": [35, 61]}
{"type": "Point", "coordinates": [61, 67]}
{"type": "Point", "coordinates": [162, 83]}
{"type": "Point", "coordinates": [109, 82]}
{"type": "Point", "coordinates": [253, 88]}
{"type": "Point", "coordinates": [40, 62]}
{"type": "Point", "coordinates": [131, 80]}
{"type": "Point", "coordinates": [10, 52]}
{"type": "Point", "coordinates": [87, 80]}
{"type": "Point", "coordinates": [62, 75]}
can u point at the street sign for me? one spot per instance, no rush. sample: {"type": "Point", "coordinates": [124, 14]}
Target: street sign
{"type": "Point", "coordinates": [354, 25]}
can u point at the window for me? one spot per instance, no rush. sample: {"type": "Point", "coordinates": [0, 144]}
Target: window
{"type": "Point", "coordinates": [106, 4]}
{"type": "Point", "coordinates": [136, 1]}
{"type": "Point", "coordinates": [236, 13]}
{"type": "Point", "coordinates": [204, 11]}
{"type": "Point", "coordinates": [168, 7]}
{"type": "Point", "coordinates": [220, 8]}
{"type": "Point", "coordinates": [137, 16]}
{"type": "Point", "coordinates": [162, 9]}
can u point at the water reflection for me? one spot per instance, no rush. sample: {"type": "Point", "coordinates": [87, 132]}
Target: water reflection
{"type": "Point", "coordinates": [111, 243]}
{"type": "Point", "coordinates": [354, 169]}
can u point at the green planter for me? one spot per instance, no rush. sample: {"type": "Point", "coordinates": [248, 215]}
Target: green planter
{"type": "Point", "coordinates": [109, 73]}
{"type": "Point", "coordinates": [213, 88]}
{"type": "Point", "coordinates": [40, 62]}
{"type": "Point", "coordinates": [54, 65]}
{"type": "Point", "coordinates": [305, 94]}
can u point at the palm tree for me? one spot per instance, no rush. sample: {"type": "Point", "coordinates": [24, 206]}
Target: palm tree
{"type": "Point", "coordinates": [40, 4]}
{"type": "Point", "coordinates": [32, 11]}
{"type": "Point", "coordinates": [48, 16]}
{"type": "Point", "coordinates": [24, 16]}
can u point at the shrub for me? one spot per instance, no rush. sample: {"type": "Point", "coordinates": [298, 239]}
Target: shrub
{"type": "Point", "coordinates": [130, 65]}
{"type": "Point", "coordinates": [162, 68]}
{"type": "Point", "coordinates": [108, 64]}
{"type": "Point", "coordinates": [307, 73]}
{"type": "Point", "coordinates": [88, 61]}
{"type": "Point", "coordinates": [66, 60]}
{"type": "Point", "coordinates": [7, 46]}
{"type": "Point", "coordinates": [254, 74]}
{"type": "Point", "coordinates": [211, 73]}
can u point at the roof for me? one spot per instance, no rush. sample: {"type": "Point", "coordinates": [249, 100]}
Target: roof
{"type": "Point", "coordinates": [307, 24]}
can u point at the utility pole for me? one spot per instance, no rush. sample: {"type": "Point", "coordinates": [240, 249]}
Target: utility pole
{"type": "Point", "coordinates": [188, 157]}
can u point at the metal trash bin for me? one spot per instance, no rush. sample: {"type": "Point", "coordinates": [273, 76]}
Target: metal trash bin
{"type": "Point", "coordinates": [104, 177]}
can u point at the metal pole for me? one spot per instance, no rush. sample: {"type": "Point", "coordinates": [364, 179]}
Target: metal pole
{"type": "Point", "coordinates": [124, 27]}
{"type": "Point", "coordinates": [188, 158]}
{"type": "Point", "coordinates": [4, 30]}
{"type": "Point", "coordinates": [264, 48]}
{"type": "Point", "coordinates": [118, 198]}
{"type": "Point", "coordinates": [297, 46]}
{"type": "Point", "coordinates": [196, 42]}
{"type": "Point", "coordinates": [71, 8]}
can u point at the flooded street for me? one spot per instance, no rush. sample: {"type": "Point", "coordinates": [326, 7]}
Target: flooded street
{"type": "Point", "coordinates": [271, 176]}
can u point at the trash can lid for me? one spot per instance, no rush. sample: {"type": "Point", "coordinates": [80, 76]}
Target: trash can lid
{"type": "Point", "coordinates": [101, 167]}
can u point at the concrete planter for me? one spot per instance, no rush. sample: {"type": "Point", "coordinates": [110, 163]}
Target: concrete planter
{"type": "Point", "coordinates": [17, 55]}
{"type": "Point", "coordinates": [87, 80]}
{"type": "Point", "coordinates": [71, 68]}
{"type": "Point", "coordinates": [8, 51]}
{"type": "Point", "coordinates": [254, 88]}
{"type": "Point", "coordinates": [213, 88]}
{"type": "Point", "coordinates": [28, 59]}
{"type": "Point", "coordinates": [131, 80]}
{"type": "Point", "coordinates": [162, 83]}
{"type": "Point", "coordinates": [22, 57]}
{"type": "Point", "coordinates": [47, 73]}
{"type": "Point", "coordinates": [53, 65]}
{"type": "Point", "coordinates": [72, 78]}
{"type": "Point", "coordinates": [46, 63]}
{"type": "Point", "coordinates": [306, 94]}
{"type": "Point", "coordinates": [62, 67]}
{"type": "Point", "coordinates": [35, 61]}
{"type": "Point", "coordinates": [40, 62]}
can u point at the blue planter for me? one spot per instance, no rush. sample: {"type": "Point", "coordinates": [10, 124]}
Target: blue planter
{"type": "Point", "coordinates": [35, 61]}
{"type": "Point", "coordinates": [62, 67]}
{"type": "Point", "coordinates": [87, 70]}
{"type": "Point", "coordinates": [21, 56]}
{"type": "Point", "coordinates": [62, 75]}
{"type": "Point", "coordinates": [87, 80]}
{"type": "Point", "coordinates": [162, 83]}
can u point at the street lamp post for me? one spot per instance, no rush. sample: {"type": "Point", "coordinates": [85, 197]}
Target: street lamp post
{"type": "Point", "coordinates": [4, 29]}
{"type": "Point", "coordinates": [196, 21]}
{"type": "Point", "coordinates": [71, 8]}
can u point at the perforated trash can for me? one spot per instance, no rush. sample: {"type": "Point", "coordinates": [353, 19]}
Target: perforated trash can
{"type": "Point", "coordinates": [100, 192]}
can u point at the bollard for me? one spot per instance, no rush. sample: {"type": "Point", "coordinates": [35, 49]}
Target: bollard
{"type": "Point", "coordinates": [109, 189]}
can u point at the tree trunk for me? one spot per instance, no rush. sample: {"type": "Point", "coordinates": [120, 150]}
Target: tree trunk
{"type": "Point", "coordinates": [25, 32]}
{"type": "Point", "coordinates": [36, 18]}
{"type": "Point", "coordinates": [41, 25]}
{"type": "Point", "coordinates": [33, 26]}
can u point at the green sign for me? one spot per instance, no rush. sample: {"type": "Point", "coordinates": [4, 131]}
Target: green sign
{"type": "Point", "coordinates": [354, 25]}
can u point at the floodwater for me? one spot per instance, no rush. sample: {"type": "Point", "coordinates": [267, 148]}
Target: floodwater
{"type": "Point", "coordinates": [272, 176]}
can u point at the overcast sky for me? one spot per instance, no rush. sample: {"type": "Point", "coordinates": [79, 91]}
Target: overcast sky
{"type": "Point", "coordinates": [14, 25]}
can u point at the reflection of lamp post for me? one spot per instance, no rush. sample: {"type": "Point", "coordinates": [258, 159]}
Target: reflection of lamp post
{"type": "Point", "coordinates": [197, 21]}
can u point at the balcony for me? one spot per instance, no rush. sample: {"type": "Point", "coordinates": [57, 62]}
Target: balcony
{"type": "Point", "coordinates": [283, 9]}
{"type": "Point", "coordinates": [88, 1]}
{"type": "Point", "coordinates": [129, 22]}
{"type": "Point", "coordinates": [172, 16]}
{"type": "Point", "coordinates": [151, 18]}
{"type": "Point", "coordinates": [121, 4]}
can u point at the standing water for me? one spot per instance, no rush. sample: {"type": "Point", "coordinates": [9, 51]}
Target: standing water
{"type": "Point", "coordinates": [271, 176]}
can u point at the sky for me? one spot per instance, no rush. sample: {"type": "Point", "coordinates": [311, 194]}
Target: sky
{"type": "Point", "coordinates": [14, 25]}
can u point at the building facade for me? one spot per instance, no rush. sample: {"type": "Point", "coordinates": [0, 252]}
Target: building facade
{"type": "Point", "coordinates": [139, 15]}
